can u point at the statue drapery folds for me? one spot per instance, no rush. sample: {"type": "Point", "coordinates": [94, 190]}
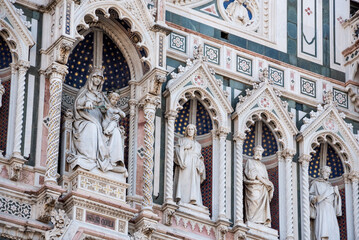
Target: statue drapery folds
{"type": "Point", "coordinates": [325, 206]}
{"type": "Point", "coordinates": [97, 138]}
{"type": "Point", "coordinates": [190, 169]}
{"type": "Point", "coordinates": [258, 190]}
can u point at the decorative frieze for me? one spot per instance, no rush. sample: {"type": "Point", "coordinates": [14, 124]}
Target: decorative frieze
{"type": "Point", "coordinates": [308, 87]}
{"type": "Point", "coordinates": [101, 185]}
{"type": "Point", "coordinates": [15, 208]}
{"type": "Point", "coordinates": [244, 65]}
{"type": "Point", "coordinates": [212, 54]}
{"type": "Point", "coordinates": [276, 75]}
{"type": "Point", "coordinates": [178, 42]}
{"type": "Point", "coordinates": [340, 97]}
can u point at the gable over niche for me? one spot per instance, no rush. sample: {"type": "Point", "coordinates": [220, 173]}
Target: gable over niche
{"type": "Point", "coordinates": [14, 29]}
{"type": "Point", "coordinates": [327, 124]}
{"type": "Point", "coordinates": [197, 80]}
{"type": "Point", "coordinates": [263, 103]}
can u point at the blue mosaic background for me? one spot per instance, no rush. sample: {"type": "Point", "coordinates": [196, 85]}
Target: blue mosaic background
{"type": "Point", "coordinates": [5, 54]}
{"type": "Point", "coordinates": [116, 72]}
{"type": "Point", "coordinates": [269, 142]}
{"type": "Point", "coordinates": [203, 120]}
{"type": "Point", "coordinates": [333, 161]}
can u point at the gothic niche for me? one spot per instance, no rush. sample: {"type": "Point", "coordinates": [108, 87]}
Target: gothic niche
{"type": "Point", "coordinates": [5, 85]}
{"type": "Point", "coordinates": [193, 117]}
{"type": "Point", "coordinates": [261, 134]}
{"type": "Point", "coordinates": [87, 67]}
{"type": "Point", "coordinates": [327, 194]}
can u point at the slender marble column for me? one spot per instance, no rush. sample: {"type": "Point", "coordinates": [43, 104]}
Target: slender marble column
{"type": "Point", "coordinates": [288, 156]}
{"type": "Point", "coordinates": [354, 177]}
{"type": "Point", "coordinates": [171, 117]}
{"type": "Point", "coordinates": [56, 73]}
{"type": "Point", "coordinates": [131, 148]}
{"type": "Point", "coordinates": [304, 161]}
{"type": "Point", "coordinates": [150, 104]}
{"type": "Point", "coordinates": [222, 135]}
{"type": "Point", "coordinates": [238, 184]}
{"type": "Point", "coordinates": [22, 68]}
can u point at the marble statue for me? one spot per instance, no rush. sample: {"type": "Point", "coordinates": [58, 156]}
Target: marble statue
{"type": "Point", "coordinates": [190, 171]}
{"type": "Point", "coordinates": [238, 12]}
{"type": "Point", "coordinates": [258, 190]}
{"type": "Point", "coordinates": [97, 139]}
{"type": "Point", "coordinates": [325, 206]}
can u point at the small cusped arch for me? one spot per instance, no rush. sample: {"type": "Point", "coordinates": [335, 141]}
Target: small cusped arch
{"type": "Point", "coordinates": [218, 115]}
{"type": "Point", "coordinates": [336, 142]}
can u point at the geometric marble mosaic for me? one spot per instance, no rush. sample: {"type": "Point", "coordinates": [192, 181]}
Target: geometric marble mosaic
{"type": "Point", "coordinates": [15, 208]}
{"type": "Point", "coordinates": [178, 42]}
{"type": "Point", "coordinates": [276, 75]}
{"type": "Point", "coordinates": [340, 97]}
{"type": "Point", "coordinates": [308, 87]}
{"type": "Point", "coordinates": [244, 65]}
{"type": "Point", "coordinates": [212, 54]}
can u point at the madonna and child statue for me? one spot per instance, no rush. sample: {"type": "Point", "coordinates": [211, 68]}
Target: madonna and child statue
{"type": "Point", "coordinates": [98, 140]}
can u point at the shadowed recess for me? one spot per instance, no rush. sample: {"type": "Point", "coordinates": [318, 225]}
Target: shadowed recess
{"type": "Point", "coordinates": [5, 54]}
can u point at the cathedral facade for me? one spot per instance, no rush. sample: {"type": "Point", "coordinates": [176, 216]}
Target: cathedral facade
{"type": "Point", "coordinates": [179, 119]}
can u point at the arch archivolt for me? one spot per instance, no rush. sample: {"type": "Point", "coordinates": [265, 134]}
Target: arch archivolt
{"type": "Point", "coordinates": [218, 116]}
{"type": "Point", "coordinates": [124, 44]}
{"type": "Point", "coordinates": [140, 24]}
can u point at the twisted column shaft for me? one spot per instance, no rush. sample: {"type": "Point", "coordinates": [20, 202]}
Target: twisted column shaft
{"type": "Point", "coordinates": [304, 160]}
{"type": "Point", "coordinates": [150, 105]}
{"type": "Point", "coordinates": [355, 181]}
{"type": "Point", "coordinates": [288, 155]}
{"type": "Point", "coordinates": [22, 69]}
{"type": "Point", "coordinates": [57, 73]}
{"type": "Point", "coordinates": [238, 184]}
{"type": "Point", "coordinates": [171, 117]}
{"type": "Point", "coordinates": [131, 148]}
{"type": "Point", "coordinates": [222, 134]}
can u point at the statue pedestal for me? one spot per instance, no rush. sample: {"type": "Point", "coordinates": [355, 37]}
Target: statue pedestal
{"type": "Point", "coordinates": [198, 211]}
{"type": "Point", "coordinates": [97, 200]}
{"type": "Point", "coordinates": [261, 231]}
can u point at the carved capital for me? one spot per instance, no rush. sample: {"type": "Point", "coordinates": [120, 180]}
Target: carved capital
{"type": "Point", "coordinates": [150, 102]}
{"type": "Point", "coordinates": [304, 159]}
{"type": "Point", "coordinates": [280, 156]}
{"type": "Point", "coordinates": [57, 71]}
{"type": "Point", "coordinates": [23, 66]}
{"type": "Point", "coordinates": [239, 137]}
{"type": "Point", "coordinates": [168, 214]}
{"type": "Point", "coordinates": [354, 177]}
{"type": "Point", "coordinates": [145, 232]}
{"type": "Point", "coordinates": [288, 154]}
{"type": "Point", "coordinates": [222, 132]}
{"type": "Point", "coordinates": [45, 206]}
{"type": "Point", "coordinates": [171, 115]}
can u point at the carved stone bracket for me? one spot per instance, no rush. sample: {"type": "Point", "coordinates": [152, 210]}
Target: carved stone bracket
{"type": "Point", "coordinates": [222, 230]}
{"type": "Point", "coordinates": [16, 165]}
{"type": "Point", "coordinates": [60, 221]}
{"type": "Point", "coordinates": [169, 211]}
{"type": "Point", "coordinates": [145, 223]}
{"type": "Point", "coordinates": [354, 98]}
{"type": "Point", "coordinates": [151, 83]}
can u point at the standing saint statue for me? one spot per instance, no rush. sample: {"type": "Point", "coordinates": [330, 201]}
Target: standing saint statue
{"type": "Point", "coordinates": [94, 143]}
{"type": "Point", "coordinates": [325, 206]}
{"type": "Point", "coordinates": [258, 190]}
{"type": "Point", "coordinates": [190, 171]}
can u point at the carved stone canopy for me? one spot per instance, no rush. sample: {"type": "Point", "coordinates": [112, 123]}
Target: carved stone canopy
{"type": "Point", "coordinates": [197, 80]}
{"type": "Point", "coordinates": [263, 103]}
{"type": "Point", "coordinates": [328, 125]}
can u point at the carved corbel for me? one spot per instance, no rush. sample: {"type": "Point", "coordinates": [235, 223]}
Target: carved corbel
{"type": "Point", "coordinates": [60, 221]}
{"type": "Point", "coordinates": [240, 236]}
{"type": "Point", "coordinates": [221, 232]}
{"type": "Point", "coordinates": [63, 51]}
{"type": "Point", "coordinates": [16, 165]}
{"type": "Point", "coordinates": [354, 98]}
{"type": "Point", "coordinates": [45, 208]}
{"type": "Point", "coordinates": [145, 232]}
